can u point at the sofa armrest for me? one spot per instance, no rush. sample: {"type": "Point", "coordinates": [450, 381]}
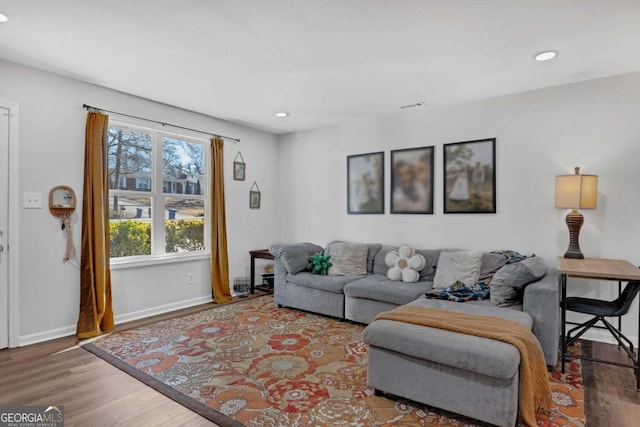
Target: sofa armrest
{"type": "Point", "coordinates": [279, 278]}
{"type": "Point", "coordinates": [294, 257]}
{"type": "Point", "coordinates": [542, 303]}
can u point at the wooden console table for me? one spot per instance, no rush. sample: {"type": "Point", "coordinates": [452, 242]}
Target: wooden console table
{"type": "Point", "coordinates": [599, 269]}
{"type": "Point", "coordinates": [258, 253]}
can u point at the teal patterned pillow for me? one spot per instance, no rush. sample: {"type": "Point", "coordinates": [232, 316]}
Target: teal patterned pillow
{"type": "Point", "coordinates": [511, 256]}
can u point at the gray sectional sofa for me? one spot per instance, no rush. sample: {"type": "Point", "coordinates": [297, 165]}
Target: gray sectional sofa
{"type": "Point", "coordinates": [465, 374]}
{"type": "Point", "coordinates": [360, 298]}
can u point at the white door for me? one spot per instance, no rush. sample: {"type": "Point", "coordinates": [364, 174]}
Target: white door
{"type": "Point", "coordinates": [4, 213]}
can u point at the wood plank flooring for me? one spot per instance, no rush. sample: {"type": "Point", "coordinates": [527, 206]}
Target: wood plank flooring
{"type": "Point", "coordinates": [95, 393]}
{"type": "Point", "coordinates": [611, 398]}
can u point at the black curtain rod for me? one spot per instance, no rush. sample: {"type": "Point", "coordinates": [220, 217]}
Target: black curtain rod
{"type": "Point", "coordinates": [89, 107]}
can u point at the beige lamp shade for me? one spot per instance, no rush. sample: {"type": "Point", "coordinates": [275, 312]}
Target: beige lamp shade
{"type": "Point", "coordinates": [576, 191]}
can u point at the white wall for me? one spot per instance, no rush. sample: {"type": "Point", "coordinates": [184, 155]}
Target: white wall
{"type": "Point", "coordinates": [540, 134]}
{"type": "Point", "coordinates": [51, 151]}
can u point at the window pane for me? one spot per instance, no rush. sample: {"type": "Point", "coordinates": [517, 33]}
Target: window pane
{"type": "Point", "coordinates": [129, 160]}
{"type": "Point", "coordinates": [184, 225]}
{"type": "Point", "coordinates": [183, 167]}
{"type": "Point", "coordinates": [129, 225]}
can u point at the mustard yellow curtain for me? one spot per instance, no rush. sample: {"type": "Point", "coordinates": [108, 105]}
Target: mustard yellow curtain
{"type": "Point", "coordinates": [96, 313]}
{"type": "Point", "coordinates": [219, 255]}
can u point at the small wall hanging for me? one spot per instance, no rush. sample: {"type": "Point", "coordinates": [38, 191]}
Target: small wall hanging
{"type": "Point", "coordinates": [254, 196]}
{"type": "Point", "coordinates": [239, 168]}
{"type": "Point", "coordinates": [62, 203]}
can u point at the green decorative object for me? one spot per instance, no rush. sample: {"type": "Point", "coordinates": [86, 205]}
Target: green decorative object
{"type": "Point", "coordinates": [319, 263]}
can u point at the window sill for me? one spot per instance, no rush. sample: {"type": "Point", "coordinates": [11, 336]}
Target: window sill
{"type": "Point", "coordinates": [150, 260]}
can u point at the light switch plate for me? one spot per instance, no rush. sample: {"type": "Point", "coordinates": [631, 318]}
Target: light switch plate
{"type": "Point", "coordinates": [32, 200]}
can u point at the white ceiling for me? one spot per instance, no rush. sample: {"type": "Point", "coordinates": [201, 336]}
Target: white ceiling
{"type": "Point", "coordinates": [324, 61]}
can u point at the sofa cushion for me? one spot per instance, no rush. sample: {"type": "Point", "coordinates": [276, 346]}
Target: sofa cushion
{"type": "Point", "coordinates": [372, 251]}
{"type": "Point", "coordinates": [463, 266]}
{"type": "Point", "coordinates": [481, 355]}
{"type": "Point", "coordinates": [333, 284]}
{"type": "Point", "coordinates": [476, 307]}
{"type": "Point", "coordinates": [380, 288]}
{"type": "Point", "coordinates": [379, 264]}
{"type": "Point", "coordinates": [491, 262]}
{"type": "Point", "coordinates": [507, 285]}
{"type": "Point", "coordinates": [348, 259]}
{"type": "Point", "coordinates": [431, 261]}
{"type": "Point", "coordinates": [294, 257]}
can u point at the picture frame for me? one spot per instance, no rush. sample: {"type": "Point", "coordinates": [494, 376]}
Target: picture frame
{"type": "Point", "coordinates": [365, 183]}
{"type": "Point", "coordinates": [412, 178]}
{"type": "Point", "coordinates": [470, 177]}
{"type": "Point", "coordinates": [239, 168]}
{"type": "Point", "coordinates": [254, 196]}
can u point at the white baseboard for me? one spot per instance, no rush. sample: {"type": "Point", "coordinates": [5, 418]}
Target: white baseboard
{"type": "Point", "coordinates": [161, 309]}
{"type": "Point", "coordinates": [51, 334]}
{"type": "Point", "coordinates": [66, 331]}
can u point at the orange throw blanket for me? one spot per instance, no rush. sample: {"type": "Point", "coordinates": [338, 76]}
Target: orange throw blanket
{"type": "Point", "coordinates": [534, 391]}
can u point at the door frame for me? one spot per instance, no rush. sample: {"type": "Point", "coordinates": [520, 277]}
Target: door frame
{"type": "Point", "coordinates": [13, 226]}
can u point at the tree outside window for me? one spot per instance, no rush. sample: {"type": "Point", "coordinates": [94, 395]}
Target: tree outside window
{"type": "Point", "coordinates": [157, 200]}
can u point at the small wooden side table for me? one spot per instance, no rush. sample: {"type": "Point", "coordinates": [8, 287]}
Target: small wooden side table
{"type": "Point", "coordinates": [601, 269]}
{"type": "Point", "coordinates": [257, 253]}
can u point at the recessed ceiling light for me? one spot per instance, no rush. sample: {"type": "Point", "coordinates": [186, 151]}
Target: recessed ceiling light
{"type": "Point", "coordinates": [545, 56]}
{"type": "Point", "coordinates": [282, 114]}
{"type": "Point", "coordinates": [3, 17]}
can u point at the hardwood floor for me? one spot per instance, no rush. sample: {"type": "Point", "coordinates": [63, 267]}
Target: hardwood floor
{"type": "Point", "coordinates": [95, 393]}
{"type": "Point", "coordinates": [611, 398]}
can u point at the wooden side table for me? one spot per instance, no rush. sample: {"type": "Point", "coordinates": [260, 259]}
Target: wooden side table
{"type": "Point", "coordinates": [600, 269]}
{"type": "Point", "coordinates": [257, 253]}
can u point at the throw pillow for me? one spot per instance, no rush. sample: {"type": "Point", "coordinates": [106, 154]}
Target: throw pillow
{"type": "Point", "coordinates": [294, 257]}
{"type": "Point", "coordinates": [348, 259]}
{"type": "Point", "coordinates": [460, 266]}
{"type": "Point", "coordinates": [379, 264]}
{"type": "Point", "coordinates": [507, 285]}
{"type": "Point", "coordinates": [491, 262]}
{"type": "Point", "coordinates": [405, 264]}
{"type": "Point", "coordinates": [319, 263]}
{"type": "Point", "coordinates": [373, 249]}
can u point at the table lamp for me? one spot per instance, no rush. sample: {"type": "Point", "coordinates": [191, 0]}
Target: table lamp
{"type": "Point", "coordinates": [576, 192]}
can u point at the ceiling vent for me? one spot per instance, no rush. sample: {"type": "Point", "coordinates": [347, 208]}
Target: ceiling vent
{"type": "Point", "coordinates": [415, 104]}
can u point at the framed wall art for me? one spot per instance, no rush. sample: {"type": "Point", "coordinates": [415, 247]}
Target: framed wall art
{"type": "Point", "coordinates": [365, 183]}
{"type": "Point", "coordinates": [412, 181]}
{"type": "Point", "coordinates": [254, 196]}
{"type": "Point", "coordinates": [470, 176]}
{"type": "Point", "coordinates": [239, 168]}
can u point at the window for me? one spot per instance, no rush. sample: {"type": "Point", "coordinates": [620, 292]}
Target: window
{"type": "Point", "coordinates": [157, 193]}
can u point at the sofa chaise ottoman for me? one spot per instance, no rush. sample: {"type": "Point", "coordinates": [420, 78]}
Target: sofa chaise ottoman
{"type": "Point", "coordinates": [469, 375]}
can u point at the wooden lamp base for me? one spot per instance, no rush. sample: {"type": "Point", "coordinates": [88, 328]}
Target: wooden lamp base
{"type": "Point", "coordinates": [574, 222]}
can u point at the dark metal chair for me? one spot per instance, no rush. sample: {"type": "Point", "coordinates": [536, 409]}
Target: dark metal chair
{"type": "Point", "coordinates": [602, 309]}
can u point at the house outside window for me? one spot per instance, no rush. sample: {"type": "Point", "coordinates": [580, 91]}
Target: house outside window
{"type": "Point", "coordinates": [160, 203]}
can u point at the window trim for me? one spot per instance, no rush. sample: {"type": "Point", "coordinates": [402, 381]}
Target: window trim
{"type": "Point", "coordinates": [122, 263]}
{"type": "Point", "coordinates": [158, 196]}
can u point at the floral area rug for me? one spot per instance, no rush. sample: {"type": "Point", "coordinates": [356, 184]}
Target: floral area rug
{"type": "Point", "coordinates": [251, 363]}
